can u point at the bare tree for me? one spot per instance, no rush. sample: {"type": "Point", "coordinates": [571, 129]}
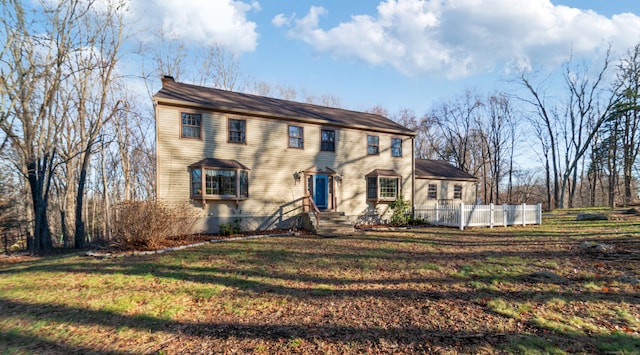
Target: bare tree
{"type": "Point", "coordinates": [286, 93]}
{"type": "Point", "coordinates": [545, 126]}
{"type": "Point", "coordinates": [456, 121]}
{"type": "Point", "coordinates": [220, 69]}
{"type": "Point", "coordinates": [330, 100]}
{"type": "Point", "coordinates": [591, 103]}
{"type": "Point", "coordinates": [588, 104]}
{"type": "Point", "coordinates": [36, 50]}
{"type": "Point", "coordinates": [428, 138]}
{"type": "Point", "coordinates": [57, 66]}
{"type": "Point", "coordinates": [628, 112]}
{"type": "Point", "coordinates": [261, 88]}
{"type": "Point", "coordinates": [498, 125]}
{"type": "Point", "coordinates": [378, 110]}
{"type": "Point", "coordinates": [93, 87]}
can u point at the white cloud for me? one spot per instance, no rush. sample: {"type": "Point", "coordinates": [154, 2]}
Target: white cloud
{"type": "Point", "coordinates": [221, 22]}
{"type": "Point", "coordinates": [459, 38]}
{"type": "Point", "coordinates": [256, 6]}
{"type": "Point", "coordinates": [280, 20]}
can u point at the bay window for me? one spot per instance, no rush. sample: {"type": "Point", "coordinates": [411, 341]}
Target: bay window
{"type": "Point", "coordinates": [219, 179]}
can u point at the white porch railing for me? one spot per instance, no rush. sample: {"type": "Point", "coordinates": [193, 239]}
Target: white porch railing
{"type": "Point", "coordinates": [480, 215]}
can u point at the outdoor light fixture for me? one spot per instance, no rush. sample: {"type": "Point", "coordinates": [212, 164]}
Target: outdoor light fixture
{"type": "Point", "coordinates": [296, 176]}
{"type": "Point", "coordinates": [339, 179]}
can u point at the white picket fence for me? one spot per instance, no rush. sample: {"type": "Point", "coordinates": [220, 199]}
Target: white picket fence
{"type": "Point", "coordinates": [480, 215]}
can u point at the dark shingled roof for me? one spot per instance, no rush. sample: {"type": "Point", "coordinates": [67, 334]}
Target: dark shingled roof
{"type": "Point", "coordinates": [177, 93]}
{"type": "Point", "coordinates": [440, 169]}
{"type": "Point", "coordinates": [219, 163]}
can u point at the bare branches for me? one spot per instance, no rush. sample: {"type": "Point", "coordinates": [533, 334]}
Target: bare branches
{"type": "Point", "coordinates": [57, 67]}
{"type": "Point", "coordinates": [587, 104]}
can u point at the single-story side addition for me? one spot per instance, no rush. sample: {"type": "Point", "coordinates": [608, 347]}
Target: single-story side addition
{"type": "Point", "coordinates": [262, 162]}
{"type": "Point", "coordinates": [440, 182]}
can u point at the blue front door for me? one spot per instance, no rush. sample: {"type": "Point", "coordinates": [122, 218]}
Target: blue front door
{"type": "Point", "coordinates": [321, 191]}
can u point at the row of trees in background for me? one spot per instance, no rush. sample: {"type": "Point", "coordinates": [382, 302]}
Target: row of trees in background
{"type": "Point", "coordinates": [76, 141]}
{"type": "Point", "coordinates": [70, 135]}
{"type": "Point", "coordinates": [584, 132]}
{"type": "Point", "coordinates": [588, 134]}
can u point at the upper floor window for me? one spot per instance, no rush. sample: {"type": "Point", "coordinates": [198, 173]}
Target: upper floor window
{"type": "Point", "coordinates": [191, 125]}
{"type": "Point", "coordinates": [296, 137]}
{"type": "Point", "coordinates": [396, 147]}
{"type": "Point", "coordinates": [237, 131]}
{"type": "Point", "coordinates": [432, 193]}
{"type": "Point", "coordinates": [457, 192]}
{"type": "Point", "coordinates": [373, 145]}
{"type": "Point", "coordinates": [327, 140]}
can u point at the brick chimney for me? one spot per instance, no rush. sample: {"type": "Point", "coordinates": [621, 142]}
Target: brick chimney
{"type": "Point", "coordinates": [167, 79]}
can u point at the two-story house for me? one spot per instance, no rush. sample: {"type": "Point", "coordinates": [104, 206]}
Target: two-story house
{"type": "Point", "coordinates": [259, 160]}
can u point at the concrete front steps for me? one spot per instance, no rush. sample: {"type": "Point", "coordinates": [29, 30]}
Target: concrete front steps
{"type": "Point", "coordinates": [334, 223]}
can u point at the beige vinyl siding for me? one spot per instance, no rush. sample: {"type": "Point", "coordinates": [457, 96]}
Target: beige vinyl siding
{"type": "Point", "coordinates": [445, 191]}
{"type": "Point", "coordinates": [274, 195]}
{"type": "Point", "coordinates": [355, 163]}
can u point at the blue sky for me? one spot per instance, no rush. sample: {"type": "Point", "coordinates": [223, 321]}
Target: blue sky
{"type": "Point", "coordinates": [397, 53]}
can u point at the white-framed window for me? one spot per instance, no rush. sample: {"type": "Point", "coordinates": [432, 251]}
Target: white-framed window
{"type": "Point", "coordinates": [388, 188]}
{"type": "Point", "coordinates": [219, 180]}
{"type": "Point", "coordinates": [383, 185]}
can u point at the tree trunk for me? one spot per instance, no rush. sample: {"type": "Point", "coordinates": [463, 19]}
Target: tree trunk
{"type": "Point", "coordinates": [65, 230]}
{"type": "Point", "coordinates": [80, 226]}
{"type": "Point", "coordinates": [547, 171]}
{"type": "Point", "coordinates": [106, 204]}
{"type": "Point", "coordinates": [41, 233]}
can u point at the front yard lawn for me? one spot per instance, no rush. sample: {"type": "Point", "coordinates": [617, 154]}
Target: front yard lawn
{"type": "Point", "coordinates": [534, 289]}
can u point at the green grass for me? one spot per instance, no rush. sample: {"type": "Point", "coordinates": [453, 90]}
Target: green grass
{"type": "Point", "coordinates": [415, 291]}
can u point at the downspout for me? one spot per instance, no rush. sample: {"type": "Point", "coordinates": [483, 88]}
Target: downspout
{"type": "Point", "coordinates": [413, 179]}
{"type": "Point", "coordinates": [155, 121]}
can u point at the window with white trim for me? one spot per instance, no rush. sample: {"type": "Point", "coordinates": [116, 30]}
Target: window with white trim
{"type": "Point", "coordinates": [388, 188]}
{"type": "Point", "coordinates": [381, 187]}
{"type": "Point", "coordinates": [219, 183]}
